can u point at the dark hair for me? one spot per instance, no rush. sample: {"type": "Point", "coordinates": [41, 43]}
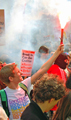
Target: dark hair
{"type": "Point", "coordinates": [6, 72]}
{"type": "Point", "coordinates": [49, 86]}
{"type": "Point", "coordinates": [64, 108]}
{"type": "Point", "coordinates": [68, 82]}
{"type": "Point", "coordinates": [43, 49]}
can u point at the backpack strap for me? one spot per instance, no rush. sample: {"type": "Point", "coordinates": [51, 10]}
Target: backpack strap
{"type": "Point", "coordinates": [24, 87]}
{"type": "Point", "coordinates": [4, 101]}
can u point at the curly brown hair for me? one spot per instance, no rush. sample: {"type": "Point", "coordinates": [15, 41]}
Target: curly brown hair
{"type": "Point", "coordinates": [49, 86]}
{"type": "Point", "coordinates": [6, 72]}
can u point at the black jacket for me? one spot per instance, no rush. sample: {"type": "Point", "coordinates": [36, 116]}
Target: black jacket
{"type": "Point", "coordinates": [33, 112]}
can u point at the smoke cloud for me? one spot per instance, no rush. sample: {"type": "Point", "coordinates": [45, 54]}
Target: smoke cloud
{"type": "Point", "coordinates": [30, 24]}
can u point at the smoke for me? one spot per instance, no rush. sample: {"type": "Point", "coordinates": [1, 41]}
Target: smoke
{"type": "Point", "coordinates": [30, 24]}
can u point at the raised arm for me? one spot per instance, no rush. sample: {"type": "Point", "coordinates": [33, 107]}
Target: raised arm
{"type": "Point", "coordinates": [44, 68]}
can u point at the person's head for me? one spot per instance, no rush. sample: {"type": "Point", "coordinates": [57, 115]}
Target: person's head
{"type": "Point", "coordinates": [48, 87]}
{"type": "Point", "coordinates": [64, 108]}
{"type": "Point", "coordinates": [43, 49]}
{"type": "Point", "coordinates": [10, 73]}
{"type": "Point", "coordinates": [61, 60]}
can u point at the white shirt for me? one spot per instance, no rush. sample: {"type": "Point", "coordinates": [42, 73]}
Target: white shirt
{"type": "Point", "coordinates": [17, 101]}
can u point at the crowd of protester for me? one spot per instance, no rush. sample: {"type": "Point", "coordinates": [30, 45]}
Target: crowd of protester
{"type": "Point", "coordinates": [50, 98]}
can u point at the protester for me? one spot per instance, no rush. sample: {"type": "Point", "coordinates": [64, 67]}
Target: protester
{"type": "Point", "coordinates": [43, 51]}
{"type": "Point", "coordinates": [59, 66]}
{"type": "Point", "coordinates": [41, 56]}
{"type": "Point", "coordinates": [11, 76]}
{"type": "Point", "coordinates": [46, 93]}
{"type": "Point", "coordinates": [64, 108]}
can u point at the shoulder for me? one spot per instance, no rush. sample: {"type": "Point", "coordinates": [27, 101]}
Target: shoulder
{"type": "Point", "coordinates": [29, 115]}
{"type": "Point", "coordinates": [27, 81]}
{"type": "Point", "coordinates": [54, 68]}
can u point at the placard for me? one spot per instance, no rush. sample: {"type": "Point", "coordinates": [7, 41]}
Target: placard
{"type": "Point", "coordinates": [27, 59]}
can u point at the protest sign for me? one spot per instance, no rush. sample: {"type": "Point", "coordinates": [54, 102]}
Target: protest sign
{"type": "Point", "coordinates": [27, 59]}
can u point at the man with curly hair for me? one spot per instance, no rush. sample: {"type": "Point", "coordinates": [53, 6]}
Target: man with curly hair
{"type": "Point", "coordinates": [46, 93]}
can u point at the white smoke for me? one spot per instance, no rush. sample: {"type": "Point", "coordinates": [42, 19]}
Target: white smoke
{"type": "Point", "coordinates": [30, 24]}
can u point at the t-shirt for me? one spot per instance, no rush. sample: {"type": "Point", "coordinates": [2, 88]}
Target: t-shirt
{"type": "Point", "coordinates": [55, 69]}
{"type": "Point", "coordinates": [18, 100]}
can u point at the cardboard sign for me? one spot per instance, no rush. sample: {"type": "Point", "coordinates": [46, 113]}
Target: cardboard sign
{"type": "Point", "coordinates": [27, 62]}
